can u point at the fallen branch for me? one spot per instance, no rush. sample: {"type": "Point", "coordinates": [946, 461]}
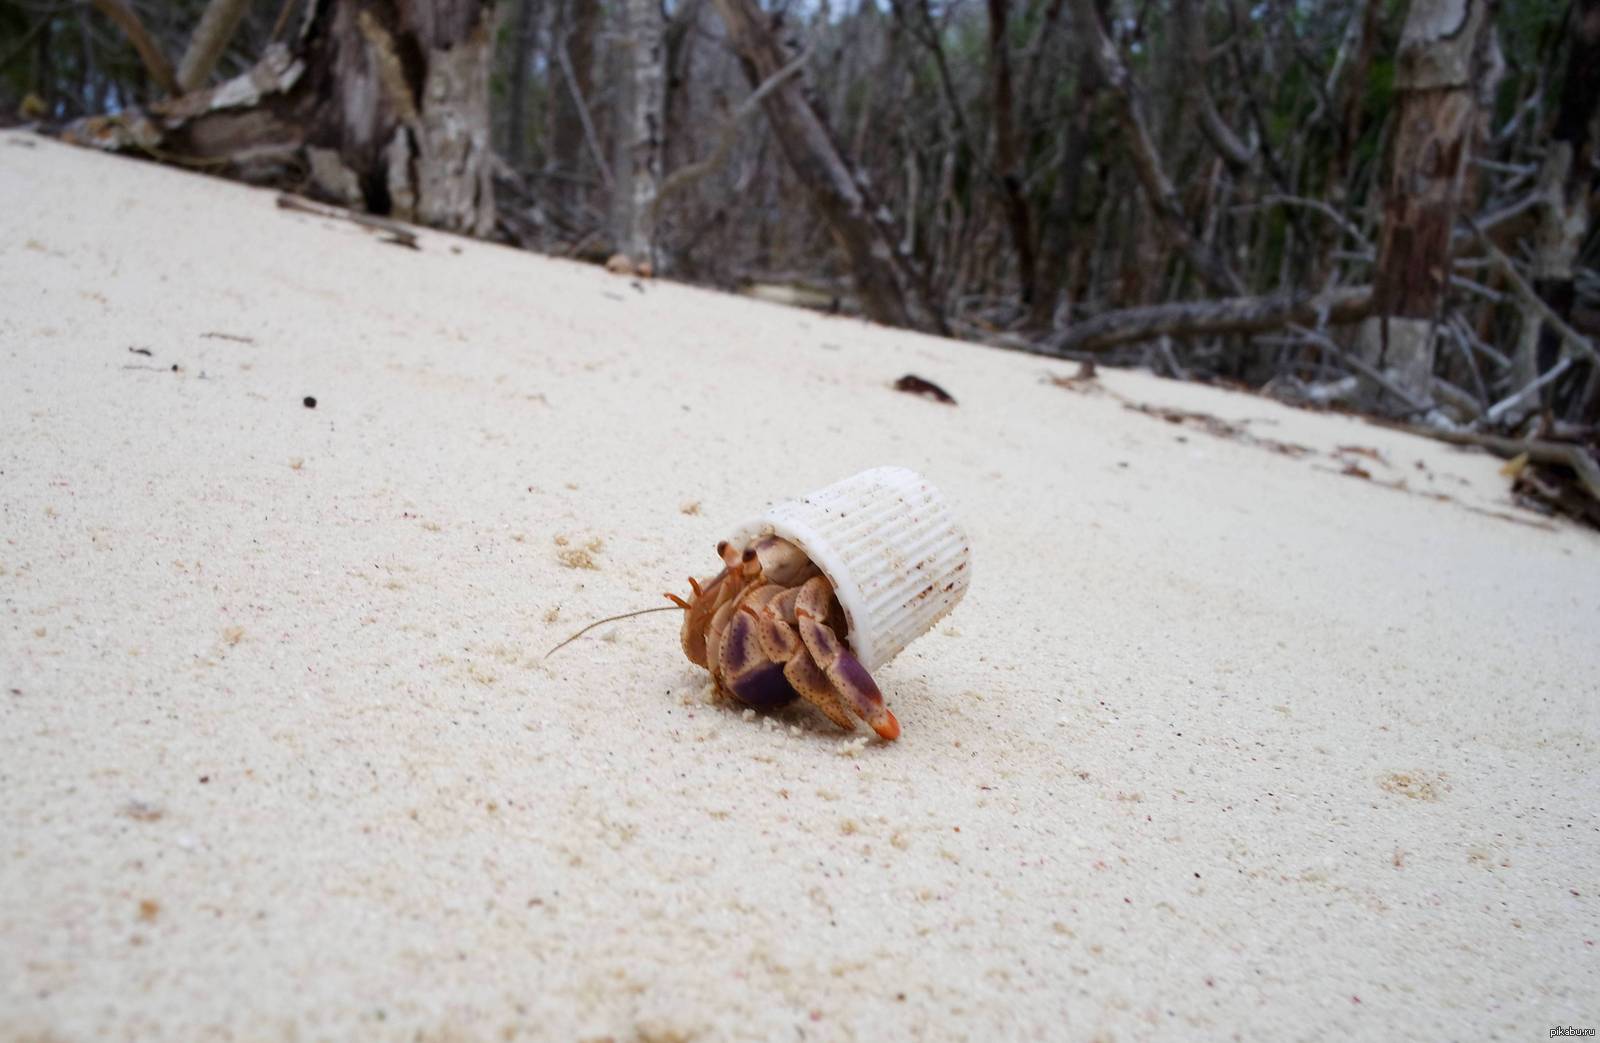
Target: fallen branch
{"type": "Point", "coordinates": [1210, 318]}
{"type": "Point", "coordinates": [1511, 401]}
{"type": "Point", "coordinates": [397, 233]}
{"type": "Point", "coordinates": [1362, 366]}
{"type": "Point", "coordinates": [1566, 454]}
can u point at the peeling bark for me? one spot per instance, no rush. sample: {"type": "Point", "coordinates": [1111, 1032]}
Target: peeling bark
{"type": "Point", "coordinates": [639, 143]}
{"type": "Point", "coordinates": [381, 107]}
{"type": "Point", "coordinates": [1432, 146]}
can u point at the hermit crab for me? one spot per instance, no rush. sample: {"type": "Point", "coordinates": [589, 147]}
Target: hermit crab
{"type": "Point", "coordinates": [767, 627]}
{"type": "Point", "coordinates": [820, 591]}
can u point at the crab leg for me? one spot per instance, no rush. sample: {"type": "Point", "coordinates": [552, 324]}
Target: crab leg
{"type": "Point", "coordinates": [844, 671]}
{"type": "Point", "coordinates": [781, 644]}
{"type": "Point", "coordinates": [753, 677]}
{"type": "Point", "coordinates": [716, 635]}
{"type": "Point", "coordinates": [700, 618]}
{"type": "Point", "coordinates": [699, 609]}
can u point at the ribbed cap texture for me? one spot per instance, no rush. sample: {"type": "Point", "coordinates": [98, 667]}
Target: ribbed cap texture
{"type": "Point", "coordinates": [890, 545]}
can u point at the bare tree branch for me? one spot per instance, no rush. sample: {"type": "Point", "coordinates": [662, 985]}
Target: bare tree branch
{"type": "Point", "coordinates": [1575, 340]}
{"type": "Point", "coordinates": [155, 62]}
{"type": "Point", "coordinates": [582, 106]}
{"type": "Point", "coordinates": [1496, 412]}
{"type": "Point", "coordinates": [685, 176]}
{"type": "Point", "coordinates": [1233, 151]}
{"type": "Point", "coordinates": [1365, 368]}
{"type": "Point", "coordinates": [1146, 161]}
{"type": "Point", "coordinates": [210, 39]}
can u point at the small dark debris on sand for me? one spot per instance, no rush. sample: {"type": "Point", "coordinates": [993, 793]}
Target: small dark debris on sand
{"type": "Point", "coordinates": [912, 384]}
{"type": "Point", "coordinates": [142, 811]}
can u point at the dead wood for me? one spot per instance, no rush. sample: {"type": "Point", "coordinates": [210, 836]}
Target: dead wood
{"type": "Point", "coordinates": [395, 232]}
{"type": "Point", "coordinates": [1577, 458]}
{"type": "Point", "coordinates": [371, 108]}
{"type": "Point", "coordinates": [1212, 318]}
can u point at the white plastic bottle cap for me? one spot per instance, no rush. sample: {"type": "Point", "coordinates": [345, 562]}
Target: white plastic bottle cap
{"type": "Point", "coordinates": [890, 545]}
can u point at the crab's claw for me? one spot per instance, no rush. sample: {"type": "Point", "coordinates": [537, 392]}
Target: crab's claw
{"type": "Point", "coordinates": [856, 685]}
{"type": "Point", "coordinates": [843, 669]}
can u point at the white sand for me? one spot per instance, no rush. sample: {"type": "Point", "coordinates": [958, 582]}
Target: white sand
{"type": "Point", "coordinates": [1221, 741]}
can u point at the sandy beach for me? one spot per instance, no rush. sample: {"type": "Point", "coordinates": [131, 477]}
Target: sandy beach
{"type": "Point", "coordinates": [1256, 723]}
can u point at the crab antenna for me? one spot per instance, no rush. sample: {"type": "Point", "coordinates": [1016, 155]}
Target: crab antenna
{"type": "Point", "coordinates": [611, 619]}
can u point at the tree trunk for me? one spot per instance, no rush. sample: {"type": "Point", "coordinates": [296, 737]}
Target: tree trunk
{"type": "Point", "coordinates": [1346, 82]}
{"type": "Point", "coordinates": [517, 104]}
{"type": "Point", "coordinates": [1007, 153]}
{"type": "Point", "coordinates": [638, 160]}
{"type": "Point", "coordinates": [386, 108]}
{"type": "Point", "coordinates": [1067, 228]}
{"type": "Point", "coordinates": [680, 145]}
{"type": "Point", "coordinates": [574, 49]}
{"type": "Point", "coordinates": [891, 286]}
{"type": "Point", "coordinates": [1436, 122]}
